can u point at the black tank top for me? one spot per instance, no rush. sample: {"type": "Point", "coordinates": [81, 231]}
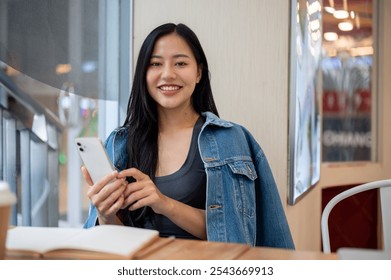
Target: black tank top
{"type": "Point", "coordinates": [187, 185]}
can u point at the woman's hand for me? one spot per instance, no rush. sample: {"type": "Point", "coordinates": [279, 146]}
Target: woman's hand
{"type": "Point", "coordinates": [143, 192]}
{"type": "Point", "coordinates": [106, 195]}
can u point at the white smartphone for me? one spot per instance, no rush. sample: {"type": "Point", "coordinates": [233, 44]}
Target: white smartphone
{"type": "Point", "coordinates": [95, 157]}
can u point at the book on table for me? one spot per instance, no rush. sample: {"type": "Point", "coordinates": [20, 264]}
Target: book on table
{"type": "Point", "coordinates": [99, 242]}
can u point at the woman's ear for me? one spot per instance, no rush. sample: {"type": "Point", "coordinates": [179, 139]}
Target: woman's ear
{"type": "Point", "coordinates": [199, 74]}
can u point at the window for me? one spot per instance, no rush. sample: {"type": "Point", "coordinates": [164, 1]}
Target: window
{"type": "Point", "coordinates": [349, 81]}
{"type": "Point", "coordinates": [60, 78]}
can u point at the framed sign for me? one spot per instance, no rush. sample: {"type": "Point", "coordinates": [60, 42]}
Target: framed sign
{"type": "Point", "coordinates": [304, 101]}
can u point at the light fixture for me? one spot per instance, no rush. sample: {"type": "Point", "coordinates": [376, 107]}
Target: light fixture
{"type": "Point", "coordinates": [314, 24]}
{"type": "Point", "coordinates": [329, 9]}
{"type": "Point", "coordinates": [345, 26]}
{"type": "Point", "coordinates": [315, 36]}
{"type": "Point", "coordinates": [63, 69]}
{"type": "Point", "coordinates": [330, 36]}
{"type": "Point", "coordinates": [357, 20]}
{"type": "Point", "coordinates": [314, 7]}
{"type": "Point", "coordinates": [361, 51]}
{"type": "Point", "coordinates": [341, 14]}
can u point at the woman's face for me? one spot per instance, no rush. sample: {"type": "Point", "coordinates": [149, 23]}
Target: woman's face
{"type": "Point", "coordinates": [172, 73]}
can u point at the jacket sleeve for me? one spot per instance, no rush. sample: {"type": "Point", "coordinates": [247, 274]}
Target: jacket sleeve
{"type": "Point", "coordinates": [92, 219]}
{"type": "Point", "coordinates": [272, 225]}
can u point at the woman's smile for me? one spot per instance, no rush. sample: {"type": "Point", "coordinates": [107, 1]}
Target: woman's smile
{"type": "Point", "coordinates": [169, 90]}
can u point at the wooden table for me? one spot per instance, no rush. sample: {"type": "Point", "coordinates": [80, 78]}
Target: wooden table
{"type": "Point", "coordinates": [182, 249]}
{"type": "Point", "coordinates": [179, 249]}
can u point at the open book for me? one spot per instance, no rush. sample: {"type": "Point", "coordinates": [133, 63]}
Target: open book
{"type": "Point", "coordinates": [100, 242]}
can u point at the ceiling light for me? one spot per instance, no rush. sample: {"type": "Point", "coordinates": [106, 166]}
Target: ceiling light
{"type": "Point", "coordinates": [357, 19]}
{"type": "Point", "coordinates": [315, 36]}
{"type": "Point", "coordinates": [63, 69]}
{"type": "Point", "coordinates": [330, 36]}
{"type": "Point", "coordinates": [361, 51]}
{"type": "Point", "coordinates": [329, 10]}
{"type": "Point", "coordinates": [314, 24]}
{"type": "Point", "coordinates": [314, 7]}
{"type": "Point", "coordinates": [341, 14]}
{"type": "Point", "coordinates": [345, 26]}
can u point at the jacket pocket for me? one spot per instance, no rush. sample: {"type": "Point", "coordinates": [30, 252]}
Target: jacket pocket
{"type": "Point", "coordinates": [245, 168]}
{"type": "Point", "coordinates": [243, 178]}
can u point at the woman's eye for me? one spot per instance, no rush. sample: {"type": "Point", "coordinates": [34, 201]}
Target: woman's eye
{"type": "Point", "coordinates": [181, 63]}
{"type": "Point", "coordinates": [155, 64]}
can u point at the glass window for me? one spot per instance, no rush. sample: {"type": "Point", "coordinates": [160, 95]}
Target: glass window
{"type": "Point", "coordinates": [60, 78]}
{"type": "Point", "coordinates": [348, 81]}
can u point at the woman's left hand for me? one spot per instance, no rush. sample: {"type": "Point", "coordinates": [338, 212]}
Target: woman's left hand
{"type": "Point", "coordinates": [143, 192]}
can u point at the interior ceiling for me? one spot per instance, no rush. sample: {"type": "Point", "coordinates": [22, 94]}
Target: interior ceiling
{"type": "Point", "coordinates": [362, 27]}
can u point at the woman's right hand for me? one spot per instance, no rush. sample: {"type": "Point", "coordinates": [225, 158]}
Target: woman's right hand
{"type": "Point", "coordinates": [106, 195]}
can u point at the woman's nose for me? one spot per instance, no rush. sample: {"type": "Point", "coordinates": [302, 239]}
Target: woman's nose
{"type": "Point", "coordinates": [168, 72]}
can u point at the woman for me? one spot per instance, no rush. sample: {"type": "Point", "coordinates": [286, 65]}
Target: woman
{"type": "Point", "coordinates": [182, 169]}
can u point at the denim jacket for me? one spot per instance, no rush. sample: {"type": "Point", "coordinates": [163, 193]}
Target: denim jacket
{"type": "Point", "coordinates": [242, 201]}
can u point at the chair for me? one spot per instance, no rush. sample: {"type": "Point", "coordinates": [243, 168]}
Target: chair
{"type": "Point", "coordinates": [385, 201]}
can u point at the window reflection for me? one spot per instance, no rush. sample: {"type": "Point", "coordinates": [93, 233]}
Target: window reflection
{"type": "Point", "coordinates": [60, 78]}
{"type": "Point", "coordinates": [347, 68]}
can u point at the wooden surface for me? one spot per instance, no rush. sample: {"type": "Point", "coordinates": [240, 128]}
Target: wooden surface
{"type": "Point", "coordinates": [180, 249]}
{"type": "Point", "coordinates": [264, 253]}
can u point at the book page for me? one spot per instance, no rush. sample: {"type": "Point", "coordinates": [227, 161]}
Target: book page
{"type": "Point", "coordinates": [111, 239]}
{"type": "Point", "coordinates": [38, 239]}
{"type": "Point", "coordinates": [107, 239]}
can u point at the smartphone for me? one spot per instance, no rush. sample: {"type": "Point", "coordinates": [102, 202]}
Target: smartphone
{"type": "Point", "coordinates": [94, 157]}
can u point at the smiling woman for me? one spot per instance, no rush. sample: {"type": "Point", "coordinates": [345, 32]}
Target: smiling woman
{"type": "Point", "coordinates": [185, 168]}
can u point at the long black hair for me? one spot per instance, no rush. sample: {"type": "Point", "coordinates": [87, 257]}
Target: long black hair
{"type": "Point", "coordinates": [142, 118]}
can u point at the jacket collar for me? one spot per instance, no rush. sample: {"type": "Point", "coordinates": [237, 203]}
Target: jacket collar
{"type": "Point", "coordinates": [215, 120]}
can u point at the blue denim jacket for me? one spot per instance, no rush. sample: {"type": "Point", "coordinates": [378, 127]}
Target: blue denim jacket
{"type": "Point", "coordinates": [242, 201]}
